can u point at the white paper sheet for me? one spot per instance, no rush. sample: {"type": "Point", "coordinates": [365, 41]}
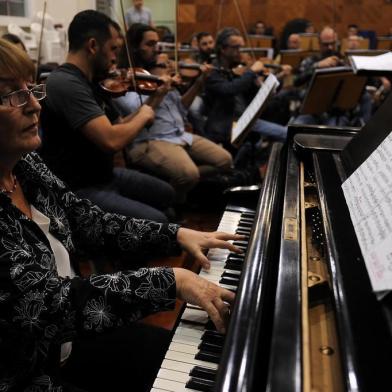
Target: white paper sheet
{"type": "Point", "coordinates": [368, 193]}
{"type": "Point", "coordinates": [382, 62]}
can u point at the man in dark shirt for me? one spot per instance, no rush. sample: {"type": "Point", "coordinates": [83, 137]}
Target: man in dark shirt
{"type": "Point", "coordinates": [327, 58]}
{"type": "Point", "coordinates": [228, 95]}
{"type": "Point", "coordinates": [82, 130]}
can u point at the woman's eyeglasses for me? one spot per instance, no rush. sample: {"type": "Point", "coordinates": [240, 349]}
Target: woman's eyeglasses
{"type": "Point", "coordinates": [19, 98]}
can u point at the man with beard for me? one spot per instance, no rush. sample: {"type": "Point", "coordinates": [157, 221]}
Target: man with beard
{"type": "Point", "coordinates": [206, 46]}
{"type": "Point", "coordinates": [166, 148]}
{"type": "Point", "coordinates": [327, 58]}
{"type": "Point", "coordinates": [228, 94]}
{"type": "Point", "coordinates": [82, 130]}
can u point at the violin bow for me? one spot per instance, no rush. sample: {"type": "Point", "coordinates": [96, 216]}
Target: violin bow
{"type": "Point", "coordinates": [176, 40]}
{"type": "Point", "coordinates": [129, 57]}
{"type": "Point", "coordinates": [40, 41]}
{"type": "Point", "coordinates": [244, 29]}
{"type": "Point", "coordinates": [218, 25]}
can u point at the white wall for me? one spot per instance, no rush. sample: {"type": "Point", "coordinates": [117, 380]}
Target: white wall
{"type": "Point", "coordinates": [61, 10]}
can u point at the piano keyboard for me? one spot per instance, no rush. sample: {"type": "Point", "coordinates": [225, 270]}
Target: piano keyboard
{"type": "Point", "coordinates": [191, 362]}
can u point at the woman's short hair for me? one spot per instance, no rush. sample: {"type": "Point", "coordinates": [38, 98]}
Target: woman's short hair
{"type": "Point", "coordinates": [14, 62]}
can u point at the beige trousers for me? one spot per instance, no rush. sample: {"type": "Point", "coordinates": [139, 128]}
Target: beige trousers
{"type": "Point", "coordinates": [181, 165]}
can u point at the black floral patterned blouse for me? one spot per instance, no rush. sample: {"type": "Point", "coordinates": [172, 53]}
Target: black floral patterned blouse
{"type": "Point", "coordinates": [40, 310]}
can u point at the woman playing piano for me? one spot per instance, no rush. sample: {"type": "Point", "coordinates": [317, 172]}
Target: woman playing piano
{"type": "Point", "coordinates": [48, 314]}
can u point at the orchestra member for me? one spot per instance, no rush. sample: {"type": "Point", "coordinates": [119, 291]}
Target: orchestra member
{"type": "Point", "coordinates": [138, 14]}
{"type": "Point", "coordinates": [327, 57]}
{"type": "Point", "coordinates": [228, 94]}
{"type": "Point", "coordinates": [15, 40]}
{"type": "Point", "coordinates": [206, 47]}
{"type": "Point", "coordinates": [166, 148]}
{"type": "Point", "coordinates": [294, 42]}
{"type": "Point", "coordinates": [59, 331]}
{"type": "Point", "coordinates": [82, 130]}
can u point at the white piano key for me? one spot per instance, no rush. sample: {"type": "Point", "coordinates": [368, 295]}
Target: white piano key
{"type": "Point", "coordinates": [195, 316]}
{"type": "Point", "coordinates": [177, 366]}
{"type": "Point", "coordinates": [171, 386]}
{"type": "Point", "coordinates": [157, 390]}
{"type": "Point", "coordinates": [189, 358]}
{"type": "Point", "coordinates": [173, 375]}
{"type": "Point", "coordinates": [193, 330]}
{"type": "Point", "coordinates": [183, 339]}
{"type": "Point", "coordinates": [183, 348]}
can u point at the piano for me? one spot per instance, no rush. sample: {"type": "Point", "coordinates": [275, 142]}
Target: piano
{"type": "Point", "coordinates": [305, 316]}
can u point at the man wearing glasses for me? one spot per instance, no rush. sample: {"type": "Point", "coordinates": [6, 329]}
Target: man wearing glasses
{"type": "Point", "coordinates": [228, 93]}
{"type": "Point", "coordinates": [327, 58]}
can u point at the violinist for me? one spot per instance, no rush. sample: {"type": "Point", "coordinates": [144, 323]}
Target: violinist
{"type": "Point", "coordinates": [82, 130]}
{"type": "Point", "coordinates": [328, 57]}
{"type": "Point", "coordinates": [165, 148]}
{"type": "Point", "coordinates": [228, 94]}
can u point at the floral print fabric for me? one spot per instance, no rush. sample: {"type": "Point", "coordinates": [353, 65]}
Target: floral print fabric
{"type": "Point", "coordinates": [40, 310]}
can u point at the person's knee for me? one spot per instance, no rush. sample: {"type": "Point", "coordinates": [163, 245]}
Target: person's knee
{"type": "Point", "coordinates": [225, 161]}
{"type": "Point", "coordinates": [187, 177]}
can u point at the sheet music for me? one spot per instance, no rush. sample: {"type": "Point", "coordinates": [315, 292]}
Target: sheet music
{"type": "Point", "coordinates": [368, 193]}
{"type": "Point", "coordinates": [381, 62]}
{"type": "Point", "coordinates": [254, 107]}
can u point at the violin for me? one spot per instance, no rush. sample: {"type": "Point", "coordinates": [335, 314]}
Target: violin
{"type": "Point", "coordinates": [120, 81]}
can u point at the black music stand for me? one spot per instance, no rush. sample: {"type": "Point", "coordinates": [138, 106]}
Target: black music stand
{"type": "Point", "coordinates": [336, 88]}
{"type": "Point", "coordinates": [244, 124]}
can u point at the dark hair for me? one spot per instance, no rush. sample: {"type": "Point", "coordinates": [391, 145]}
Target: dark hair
{"type": "Point", "coordinates": [223, 37]}
{"type": "Point", "coordinates": [201, 35]}
{"type": "Point", "coordinates": [14, 39]}
{"type": "Point", "coordinates": [353, 25]}
{"type": "Point", "coordinates": [89, 24]}
{"type": "Point", "coordinates": [134, 38]}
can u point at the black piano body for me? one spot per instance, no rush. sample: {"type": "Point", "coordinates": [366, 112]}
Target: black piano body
{"type": "Point", "coordinates": [266, 348]}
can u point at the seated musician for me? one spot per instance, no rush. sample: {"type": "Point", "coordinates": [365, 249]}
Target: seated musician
{"type": "Point", "coordinates": [228, 94]}
{"type": "Point", "coordinates": [59, 331]}
{"type": "Point", "coordinates": [327, 58]}
{"type": "Point", "coordinates": [165, 148]}
{"type": "Point", "coordinates": [206, 47]}
{"type": "Point", "coordinates": [82, 130]}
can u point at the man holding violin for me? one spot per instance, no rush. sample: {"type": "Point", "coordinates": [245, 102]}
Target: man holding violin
{"type": "Point", "coordinates": [82, 130]}
{"type": "Point", "coordinates": [228, 93]}
{"type": "Point", "coordinates": [165, 148]}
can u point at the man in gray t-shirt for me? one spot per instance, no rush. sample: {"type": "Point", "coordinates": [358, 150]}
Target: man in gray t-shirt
{"type": "Point", "coordinates": [138, 14]}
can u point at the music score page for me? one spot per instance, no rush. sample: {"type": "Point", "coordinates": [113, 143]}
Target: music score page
{"type": "Point", "coordinates": [368, 193]}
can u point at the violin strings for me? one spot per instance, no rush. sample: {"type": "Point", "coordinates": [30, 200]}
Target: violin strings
{"type": "Point", "coordinates": [244, 30]}
{"type": "Point", "coordinates": [40, 41]}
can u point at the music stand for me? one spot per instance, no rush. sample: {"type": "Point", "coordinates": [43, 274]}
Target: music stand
{"type": "Point", "coordinates": [309, 42]}
{"type": "Point", "coordinates": [380, 65]}
{"type": "Point", "coordinates": [242, 127]}
{"type": "Point", "coordinates": [333, 88]}
{"type": "Point", "coordinates": [384, 43]}
{"type": "Point", "coordinates": [293, 57]}
{"type": "Point", "coordinates": [261, 41]}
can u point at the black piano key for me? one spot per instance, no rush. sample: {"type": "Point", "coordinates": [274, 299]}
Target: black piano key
{"type": "Point", "coordinates": [229, 281]}
{"type": "Point", "coordinates": [230, 275]}
{"type": "Point", "coordinates": [243, 244]}
{"type": "Point", "coordinates": [210, 326]}
{"type": "Point", "coordinates": [210, 347]}
{"type": "Point", "coordinates": [200, 385]}
{"type": "Point", "coordinates": [203, 373]}
{"type": "Point", "coordinates": [213, 337]}
{"type": "Point", "coordinates": [208, 356]}
{"type": "Point", "coordinates": [233, 266]}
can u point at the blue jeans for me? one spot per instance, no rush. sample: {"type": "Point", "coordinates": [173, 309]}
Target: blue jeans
{"type": "Point", "coordinates": [273, 130]}
{"type": "Point", "coordinates": [133, 194]}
